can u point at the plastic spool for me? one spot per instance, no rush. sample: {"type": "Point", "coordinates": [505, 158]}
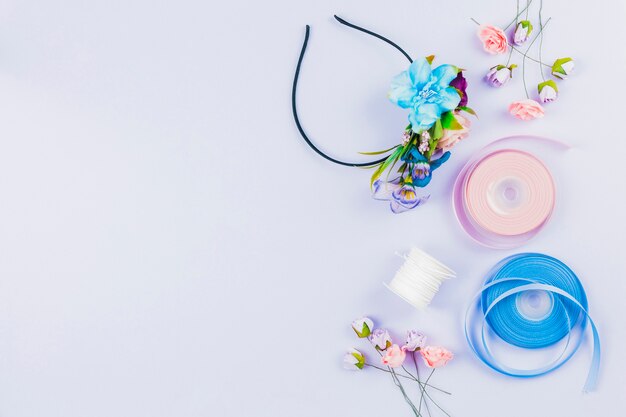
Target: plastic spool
{"type": "Point", "coordinates": [504, 196]}
{"type": "Point", "coordinates": [531, 301]}
{"type": "Point", "coordinates": [419, 278]}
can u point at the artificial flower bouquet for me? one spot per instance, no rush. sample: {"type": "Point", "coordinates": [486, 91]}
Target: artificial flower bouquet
{"type": "Point", "coordinates": [495, 41]}
{"type": "Point", "coordinates": [436, 99]}
{"type": "Point", "coordinates": [393, 358]}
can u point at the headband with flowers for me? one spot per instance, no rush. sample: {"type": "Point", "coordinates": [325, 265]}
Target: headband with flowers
{"type": "Point", "coordinates": [436, 99]}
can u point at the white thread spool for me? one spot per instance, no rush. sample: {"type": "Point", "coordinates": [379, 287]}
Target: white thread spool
{"type": "Point", "coordinates": [419, 278]}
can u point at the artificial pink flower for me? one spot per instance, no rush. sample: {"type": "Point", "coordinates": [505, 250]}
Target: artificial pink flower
{"type": "Point", "coordinates": [451, 137]}
{"type": "Point", "coordinates": [394, 356]}
{"type": "Point", "coordinates": [493, 39]}
{"type": "Point", "coordinates": [436, 356]}
{"type": "Point", "coordinates": [526, 109]}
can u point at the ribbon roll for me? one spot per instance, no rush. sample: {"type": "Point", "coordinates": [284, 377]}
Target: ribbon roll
{"type": "Point", "coordinates": [419, 278]}
{"type": "Point", "coordinates": [504, 196]}
{"type": "Point", "coordinates": [531, 301]}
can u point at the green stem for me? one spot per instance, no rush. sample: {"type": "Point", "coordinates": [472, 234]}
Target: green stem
{"type": "Point", "coordinates": [412, 378]}
{"type": "Point", "coordinates": [526, 54]}
{"type": "Point", "coordinates": [528, 3]}
{"type": "Point", "coordinates": [427, 379]}
{"type": "Point", "coordinates": [529, 57]}
{"type": "Point", "coordinates": [543, 77]}
{"type": "Point", "coordinates": [422, 389]}
{"type": "Point", "coordinates": [406, 397]}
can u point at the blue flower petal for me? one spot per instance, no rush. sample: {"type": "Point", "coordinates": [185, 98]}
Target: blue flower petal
{"type": "Point", "coordinates": [413, 155]}
{"type": "Point", "coordinates": [424, 116]}
{"type": "Point", "coordinates": [449, 99]}
{"type": "Point", "coordinates": [423, 182]}
{"type": "Point", "coordinates": [444, 74]}
{"type": "Point", "coordinates": [420, 72]}
{"type": "Point", "coordinates": [402, 90]}
{"type": "Point", "coordinates": [439, 161]}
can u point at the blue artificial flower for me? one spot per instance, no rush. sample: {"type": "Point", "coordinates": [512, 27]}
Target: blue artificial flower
{"type": "Point", "coordinates": [426, 92]}
{"type": "Point", "coordinates": [422, 169]}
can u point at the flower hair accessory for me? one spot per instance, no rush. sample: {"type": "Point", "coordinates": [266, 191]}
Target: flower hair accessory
{"type": "Point", "coordinates": [435, 97]}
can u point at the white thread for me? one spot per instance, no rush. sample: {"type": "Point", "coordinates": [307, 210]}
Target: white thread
{"type": "Point", "coordinates": [419, 278]}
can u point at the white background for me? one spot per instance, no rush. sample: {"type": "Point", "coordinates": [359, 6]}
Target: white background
{"type": "Point", "coordinates": [169, 246]}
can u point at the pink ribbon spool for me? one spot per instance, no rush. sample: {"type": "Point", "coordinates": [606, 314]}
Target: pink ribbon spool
{"type": "Point", "coordinates": [504, 196]}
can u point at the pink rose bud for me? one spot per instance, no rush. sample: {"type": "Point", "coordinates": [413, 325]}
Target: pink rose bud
{"type": "Point", "coordinates": [500, 75]}
{"type": "Point", "coordinates": [363, 327]}
{"type": "Point", "coordinates": [563, 67]}
{"type": "Point", "coordinates": [394, 357]}
{"type": "Point", "coordinates": [526, 109]}
{"type": "Point", "coordinates": [414, 341]}
{"type": "Point", "coordinates": [548, 91]}
{"type": "Point", "coordinates": [522, 32]}
{"type": "Point", "coordinates": [380, 339]}
{"type": "Point", "coordinates": [353, 360]}
{"type": "Point", "coordinates": [452, 136]}
{"type": "Point", "coordinates": [493, 39]}
{"type": "Point", "coordinates": [436, 356]}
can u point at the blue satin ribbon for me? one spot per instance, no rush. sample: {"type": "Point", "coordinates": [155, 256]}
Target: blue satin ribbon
{"type": "Point", "coordinates": [507, 303]}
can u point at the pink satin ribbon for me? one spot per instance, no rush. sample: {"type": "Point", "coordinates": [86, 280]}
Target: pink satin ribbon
{"type": "Point", "coordinates": [504, 196]}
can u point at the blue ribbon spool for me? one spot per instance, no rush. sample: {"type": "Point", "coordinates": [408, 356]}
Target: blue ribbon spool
{"type": "Point", "coordinates": [532, 301]}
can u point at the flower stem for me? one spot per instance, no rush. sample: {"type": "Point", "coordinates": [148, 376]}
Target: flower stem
{"type": "Point", "coordinates": [526, 54]}
{"type": "Point", "coordinates": [525, 9]}
{"type": "Point", "coordinates": [406, 397]}
{"type": "Point", "coordinates": [422, 388]}
{"type": "Point", "coordinates": [427, 379]}
{"type": "Point", "coordinates": [529, 57]}
{"type": "Point", "coordinates": [543, 77]}
{"type": "Point", "coordinates": [412, 378]}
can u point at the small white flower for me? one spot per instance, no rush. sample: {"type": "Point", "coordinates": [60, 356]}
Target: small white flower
{"type": "Point", "coordinates": [548, 91]}
{"type": "Point", "coordinates": [522, 32]}
{"type": "Point", "coordinates": [363, 326]}
{"type": "Point", "coordinates": [353, 360]}
{"type": "Point", "coordinates": [563, 67]}
{"type": "Point", "coordinates": [380, 339]}
{"type": "Point", "coordinates": [500, 75]}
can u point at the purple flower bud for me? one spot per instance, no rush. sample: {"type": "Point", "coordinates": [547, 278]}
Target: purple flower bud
{"type": "Point", "coordinates": [380, 339]}
{"type": "Point", "coordinates": [460, 83]}
{"type": "Point", "coordinates": [499, 75]}
{"type": "Point", "coordinates": [414, 340]}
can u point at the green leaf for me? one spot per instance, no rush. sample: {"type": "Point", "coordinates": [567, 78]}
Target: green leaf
{"type": "Point", "coordinates": [449, 122]}
{"type": "Point", "coordinates": [384, 165]}
{"type": "Point", "coordinates": [437, 132]}
{"type": "Point", "coordinates": [379, 152]}
{"type": "Point", "coordinates": [468, 110]}
{"type": "Point", "coordinates": [550, 83]}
